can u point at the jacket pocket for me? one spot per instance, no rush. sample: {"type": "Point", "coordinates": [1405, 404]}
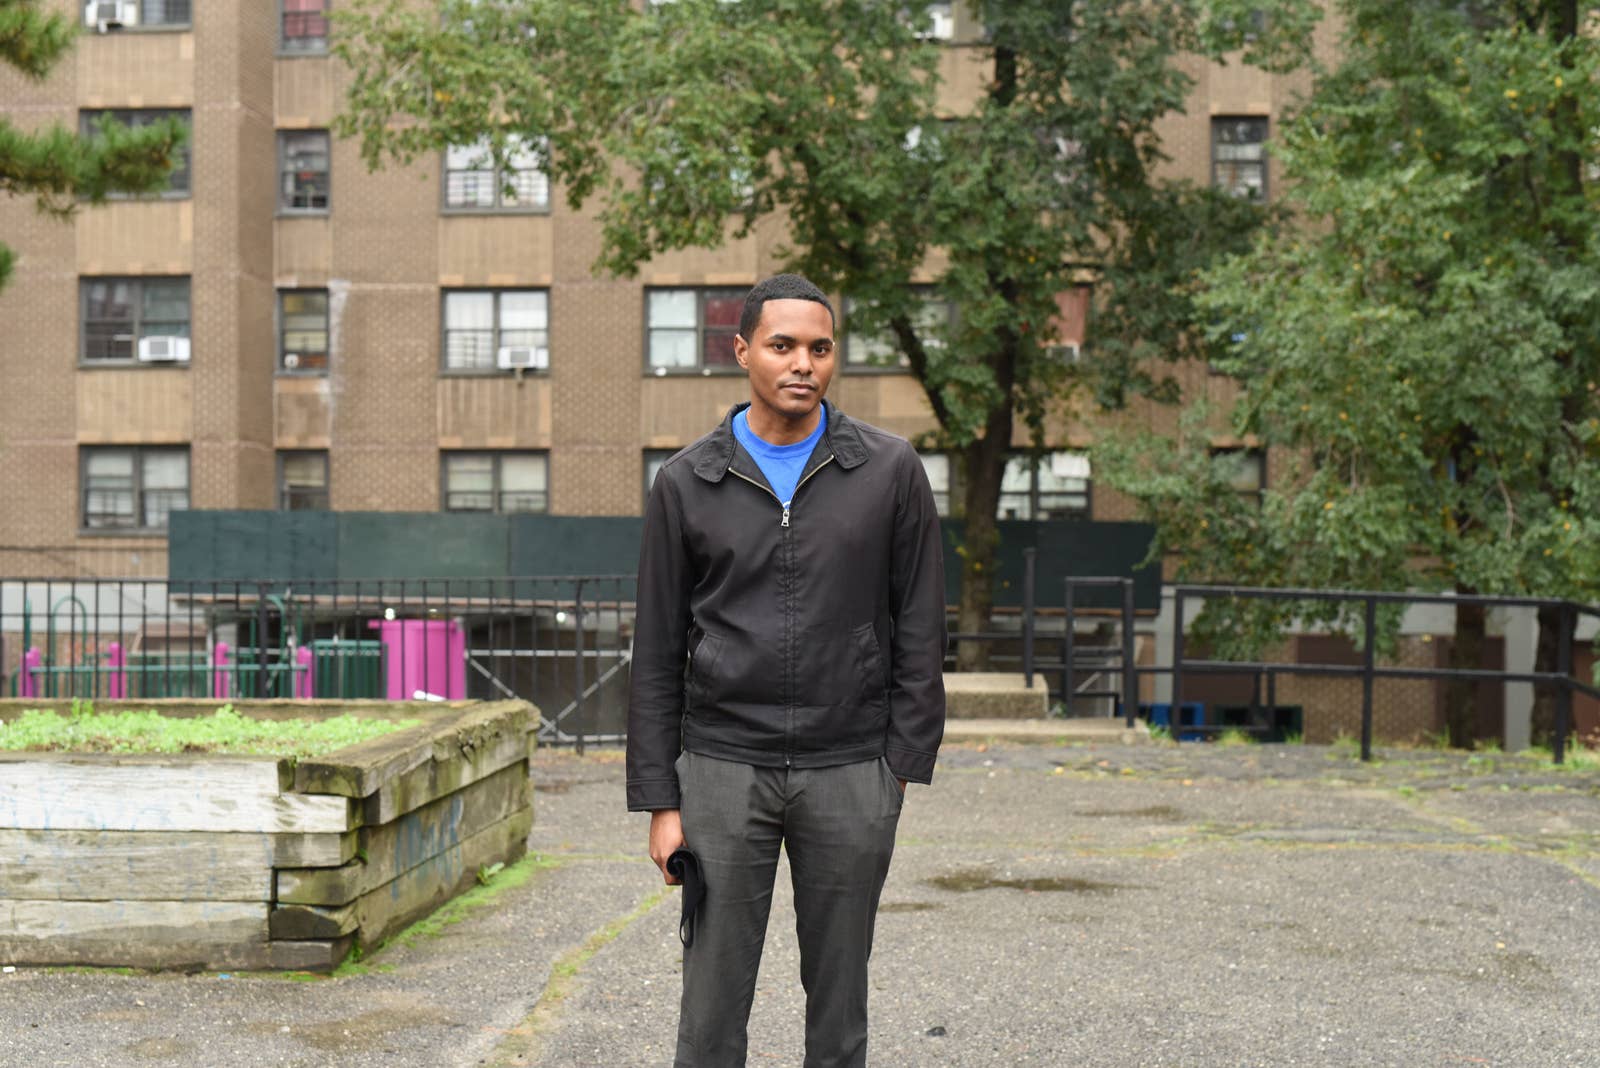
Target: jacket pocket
{"type": "Point", "coordinates": [702, 664]}
{"type": "Point", "coordinates": [871, 677]}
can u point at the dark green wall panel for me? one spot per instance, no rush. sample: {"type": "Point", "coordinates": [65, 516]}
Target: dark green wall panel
{"type": "Point", "coordinates": [275, 546]}
{"type": "Point", "coordinates": [422, 545]}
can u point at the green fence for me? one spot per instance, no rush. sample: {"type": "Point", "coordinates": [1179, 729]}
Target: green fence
{"type": "Point", "coordinates": [349, 669]}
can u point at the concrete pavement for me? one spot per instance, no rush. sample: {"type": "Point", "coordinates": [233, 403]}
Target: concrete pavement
{"type": "Point", "coordinates": [1084, 904]}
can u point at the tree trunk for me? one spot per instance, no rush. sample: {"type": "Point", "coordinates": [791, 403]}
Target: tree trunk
{"type": "Point", "coordinates": [1461, 695]}
{"type": "Point", "coordinates": [1546, 658]}
{"type": "Point", "coordinates": [983, 464]}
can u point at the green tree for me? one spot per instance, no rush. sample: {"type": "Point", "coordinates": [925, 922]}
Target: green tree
{"type": "Point", "coordinates": [1422, 354]}
{"type": "Point", "coordinates": [687, 121]}
{"type": "Point", "coordinates": [55, 165]}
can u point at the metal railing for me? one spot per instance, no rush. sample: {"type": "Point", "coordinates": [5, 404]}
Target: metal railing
{"type": "Point", "coordinates": [562, 643]}
{"type": "Point", "coordinates": [1369, 671]}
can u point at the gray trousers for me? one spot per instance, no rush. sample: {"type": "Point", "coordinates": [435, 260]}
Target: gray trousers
{"type": "Point", "coordinates": [837, 825]}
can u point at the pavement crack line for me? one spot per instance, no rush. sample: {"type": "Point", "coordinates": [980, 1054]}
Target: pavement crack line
{"type": "Point", "coordinates": [521, 1045]}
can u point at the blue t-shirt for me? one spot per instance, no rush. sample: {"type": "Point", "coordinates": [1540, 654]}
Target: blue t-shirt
{"type": "Point", "coordinates": [781, 464]}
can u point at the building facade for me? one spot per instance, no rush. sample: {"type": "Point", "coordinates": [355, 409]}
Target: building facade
{"type": "Point", "coordinates": [284, 329]}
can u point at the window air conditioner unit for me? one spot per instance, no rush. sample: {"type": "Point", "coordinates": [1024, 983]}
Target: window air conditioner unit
{"type": "Point", "coordinates": [510, 358]}
{"type": "Point", "coordinates": [1067, 353]}
{"type": "Point", "coordinates": [164, 348]}
{"type": "Point", "coordinates": [106, 15]}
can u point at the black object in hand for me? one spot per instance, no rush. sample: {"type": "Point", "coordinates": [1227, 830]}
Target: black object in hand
{"type": "Point", "coordinates": [684, 866]}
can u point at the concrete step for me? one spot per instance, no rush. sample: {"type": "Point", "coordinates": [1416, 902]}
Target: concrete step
{"type": "Point", "coordinates": [994, 695]}
{"type": "Point", "coordinates": [1099, 730]}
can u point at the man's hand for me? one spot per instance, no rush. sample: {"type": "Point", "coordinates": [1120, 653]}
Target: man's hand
{"type": "Point", "coordinates": [666, 835]}
{"type": "Point", "coordinates": [903, 785]}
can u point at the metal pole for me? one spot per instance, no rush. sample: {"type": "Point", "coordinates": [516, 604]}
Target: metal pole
{"type": "Point", "coordinates": [1029, 558]}
{"type": "Point", "coordinates": [1368, 659]}
{"type": "Point", "coordinates": [1130, 671]}
{"type": "Point", "coordinates": [1564, 694]}
{"type": "Point", "coordinates": [1177, 663]}
{"type": "Point", "coordinates": [1067, 681]}
{"type": "Point", "coordinates": [577, 649]}
{"type": "Point", "coordinates": [261, 640]}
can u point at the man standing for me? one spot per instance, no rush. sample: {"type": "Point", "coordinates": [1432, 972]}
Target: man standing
{"type": "Point", "coordinates": [787, 677]}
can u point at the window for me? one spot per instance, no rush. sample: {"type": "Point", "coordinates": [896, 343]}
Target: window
{"type": "Point", "coordinates": [931, 319]}
{"type": "Point", "coordinates": [496, 482]}
{"type": "Point", "coordinates": [937, 466]}
{"type": "Point", "coordinates": [303, 331]}
{"type": "Point", "coordinates": [939, 21]}
{"type": "Point", "coordinates": [653, 459]}
{"type": "Point", "coordinates": [473, 183]}
{"type": "Point", "coordinates": [305, 26]}
{"type": "Point", "coordinates": [1245, 471]}
{"type": "Point", "coordinates": [303, 170]}
{"type": "Point", "coordinates": [1052, 486]}
{"type": "Point", "coordinates": [1238, 156]}
{"type": "Point", "coordinates": [178, 187]}
{"type": "Point", "coordinates": [692, 329]}
{"type": "Point", "coordinates": [131, 14]}
{"type": "Point", "coordinates": [133, 488]}
{"type": "Point", "coordinates": [488, 330]}
{"type": "Point", "coordinates": [128, 319]}
{"type": "Point", "coordinates": [303, 481]}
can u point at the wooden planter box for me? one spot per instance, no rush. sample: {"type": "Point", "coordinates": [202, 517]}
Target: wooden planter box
{"type": "Point", "coordinates": [198, 861]}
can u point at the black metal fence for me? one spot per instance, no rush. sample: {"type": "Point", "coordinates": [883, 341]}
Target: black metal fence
{"type": "Point", "coordinates": [564, 643]}
{"type": "Point", "coordinates": [559, 642]}
{"type": "Point", "coordinates": [1117, 662]}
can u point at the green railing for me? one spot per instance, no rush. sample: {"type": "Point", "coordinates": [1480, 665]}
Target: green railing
{"type": "Point", "coordinates": [344, 669]}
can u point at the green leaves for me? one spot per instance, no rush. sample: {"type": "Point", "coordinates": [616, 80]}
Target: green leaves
{"type": "Point", "coordinates": [690, 122]}
{"type": "Point", "coordinates": [1420, 348]}
{"type": "Point", "coordinates": [54, 165]}
{"type": "Point", "coordinates": [32, 41]}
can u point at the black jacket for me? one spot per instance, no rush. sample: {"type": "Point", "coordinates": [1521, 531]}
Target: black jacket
{"type": "Point", "coordinates": [805, 638]}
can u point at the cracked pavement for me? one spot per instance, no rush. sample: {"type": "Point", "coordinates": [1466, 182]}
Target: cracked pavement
{"type": "Point", "coordinates": [1087, 905]}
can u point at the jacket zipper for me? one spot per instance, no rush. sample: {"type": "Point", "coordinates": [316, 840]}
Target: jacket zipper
{"type": "Point", "coordinates": [804, 479]}
{"type": "Point", "coordinates": [783, 520]}
{"type": "Point", "coordinates": [788, 613]}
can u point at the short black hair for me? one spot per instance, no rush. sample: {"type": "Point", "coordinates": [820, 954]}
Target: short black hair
{"type": "Point", "coordinates": [779, 287]}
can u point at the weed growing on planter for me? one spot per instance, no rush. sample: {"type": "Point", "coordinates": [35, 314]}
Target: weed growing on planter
{"type": "Point", "coordinates": [83, 730]}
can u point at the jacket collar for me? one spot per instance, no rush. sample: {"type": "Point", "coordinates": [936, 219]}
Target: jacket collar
{"type": "Point", "coordinates": [842, 439]}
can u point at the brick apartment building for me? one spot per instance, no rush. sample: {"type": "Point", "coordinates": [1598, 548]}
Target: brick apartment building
{"type": "Point", "coordinates": [283, 329]}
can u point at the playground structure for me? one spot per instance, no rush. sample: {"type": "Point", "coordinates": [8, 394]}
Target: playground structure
{"type": "Point", "coordinates": [183, 653]}
{"type": "Point", "coordinates": [549, 641]}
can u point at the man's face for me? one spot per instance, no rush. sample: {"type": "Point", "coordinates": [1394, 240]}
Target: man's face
{"type": "Point", "coordinates": [790, 361]}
